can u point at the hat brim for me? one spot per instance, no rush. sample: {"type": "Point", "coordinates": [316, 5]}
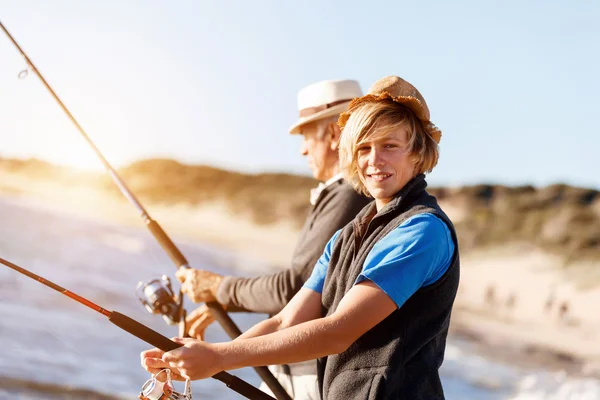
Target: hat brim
{"type": "Point", "coordinates": [328, 112]}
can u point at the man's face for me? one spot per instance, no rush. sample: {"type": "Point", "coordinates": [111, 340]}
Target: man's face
{"type": "Point", "coordinates": [317, 146]}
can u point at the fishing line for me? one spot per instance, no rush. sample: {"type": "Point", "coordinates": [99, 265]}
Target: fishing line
{"type": "Point", "coordinates": [23, 74]}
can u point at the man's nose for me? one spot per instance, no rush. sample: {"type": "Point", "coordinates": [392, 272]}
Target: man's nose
{"type": "Point", "coordinates": [303, 148]}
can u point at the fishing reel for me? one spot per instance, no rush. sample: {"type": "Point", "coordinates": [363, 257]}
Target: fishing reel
{"type": "Point", "coordinates": [157, 389]}
{"type": "Point", "coordinates": [157, 295]}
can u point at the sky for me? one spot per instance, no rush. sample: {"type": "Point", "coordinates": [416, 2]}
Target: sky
{"type": "Point", "coordinates": [513, 85]}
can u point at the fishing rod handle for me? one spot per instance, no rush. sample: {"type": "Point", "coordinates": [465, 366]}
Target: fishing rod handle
{"type": "Point", "coordinates": [154, 338]}
{"type": "Point", "coordinates": [141, 331]}
{"type": "Point", "coordinates": [217, 310]}
{"type": "Point", "coordinates": [241, 387]}
{"type": "Point", "coordinates": [165, 242]}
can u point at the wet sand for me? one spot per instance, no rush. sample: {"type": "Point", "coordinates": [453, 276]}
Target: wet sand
{"type": "Point", "coordinates": [24, 389]}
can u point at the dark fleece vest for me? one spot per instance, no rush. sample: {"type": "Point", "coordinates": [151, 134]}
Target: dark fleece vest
{"type": "Point", "coordinates": [399, 358]}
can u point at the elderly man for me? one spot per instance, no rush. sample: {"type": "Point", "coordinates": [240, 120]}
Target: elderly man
{"type": "Point", "coordinates": [334, 204]}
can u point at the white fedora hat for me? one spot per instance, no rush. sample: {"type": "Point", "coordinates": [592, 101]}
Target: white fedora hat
{"type": "Point", "coordinates": [324, 99]}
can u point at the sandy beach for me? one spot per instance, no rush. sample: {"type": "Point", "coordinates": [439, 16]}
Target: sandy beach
{"type": "Point", "coordinates": [516, 301]}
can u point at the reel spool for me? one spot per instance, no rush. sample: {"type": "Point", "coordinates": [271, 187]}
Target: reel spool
{"type": "Point", "coordinates": [155, 389]}
{"type": "Point", "coordinates": [157, 296]}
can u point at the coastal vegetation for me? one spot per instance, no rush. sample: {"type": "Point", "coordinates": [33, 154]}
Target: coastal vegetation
{"type": "Point", "coordinates": [559, 218]}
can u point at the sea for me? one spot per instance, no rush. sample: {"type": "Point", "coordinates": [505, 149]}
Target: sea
{"type": "Point", "coordinates": [55, 348]}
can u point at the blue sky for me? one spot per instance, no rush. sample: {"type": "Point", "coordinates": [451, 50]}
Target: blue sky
{"type": "Point", "coordinates": [512, 84]}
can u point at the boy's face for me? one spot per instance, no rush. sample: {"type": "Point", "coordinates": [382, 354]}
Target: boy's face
{"type": "Point", "coordinates": [385, 165]}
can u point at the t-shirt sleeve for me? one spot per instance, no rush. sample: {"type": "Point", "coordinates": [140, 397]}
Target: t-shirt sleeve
{"type": "Point", "coordinates": [415, 254]}
{"type": "Point", "coordinates": [317, 278]}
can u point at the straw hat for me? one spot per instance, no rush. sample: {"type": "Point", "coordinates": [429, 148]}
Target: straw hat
{"type": "Point", "coordinates": [396, 89]}
{"type": "Point", "coordinates": [324, 99]}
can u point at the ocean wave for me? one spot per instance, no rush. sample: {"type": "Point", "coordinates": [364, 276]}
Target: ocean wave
{"type": "Point", "coordinates": [556, 386]}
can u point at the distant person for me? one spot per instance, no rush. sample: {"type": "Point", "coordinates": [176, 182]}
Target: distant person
{"type": "Point", "coordinates": [334, 204]}
{"type": "Point", "coordinates": [511, 302]}
{"type": "Point", "coordinates": [549, 303]}
{"type": "Point", "coordinates": [563, 312]}
{"type": "Point", "coordinates": [376, 309]}
{"type": "Point", "coordinates": [490, 296]}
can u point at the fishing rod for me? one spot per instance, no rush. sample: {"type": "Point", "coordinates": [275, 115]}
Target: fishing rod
{"type": "Point", "coordinates": [157, 295]}
{"type": "Point", "coordinates": [145, 333]}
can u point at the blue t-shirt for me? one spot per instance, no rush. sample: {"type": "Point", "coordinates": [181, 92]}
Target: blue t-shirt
{"type": "Point", "coordinates": [415, 254]}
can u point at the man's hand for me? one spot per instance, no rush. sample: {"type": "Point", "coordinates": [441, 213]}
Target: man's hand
{"type": "Point", "coordinates": [198, 320]}
{"type": "Point", "coordinates": [200, 286]}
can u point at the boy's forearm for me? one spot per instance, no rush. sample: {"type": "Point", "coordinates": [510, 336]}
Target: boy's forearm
{"type": "Point", "coordinates": [262, 328]}
{"type": "Point", "coordinates": [306, 341]}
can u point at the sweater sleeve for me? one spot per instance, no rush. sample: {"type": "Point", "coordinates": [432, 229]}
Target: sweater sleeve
{"type": "Point", "coordinates": [270, 293]}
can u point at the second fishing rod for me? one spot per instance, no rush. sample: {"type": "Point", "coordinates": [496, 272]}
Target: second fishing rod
{"type": "Point", "coordinates": [154, 290]}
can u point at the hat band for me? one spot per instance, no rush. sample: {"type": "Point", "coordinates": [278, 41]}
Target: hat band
{"type": "Point", "coordinates": [305, 112]}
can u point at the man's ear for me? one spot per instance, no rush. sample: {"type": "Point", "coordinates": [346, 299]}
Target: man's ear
{"type": "Point", "coordinates": [335, 134]}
